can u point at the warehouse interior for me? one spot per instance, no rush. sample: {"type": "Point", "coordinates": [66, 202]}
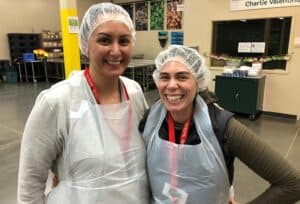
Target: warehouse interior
{"type": "Point", "coordinates": [270, 108]}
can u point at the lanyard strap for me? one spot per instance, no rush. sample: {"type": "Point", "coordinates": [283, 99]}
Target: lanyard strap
{"type": "Point", "coordinates": [184, 132]}
{"type": "Point", "coordinates": [125, 144]}
{"type": "Point", "coordinates": [94, 88]}
{"type": "Point", "coordinates": [173, 162]}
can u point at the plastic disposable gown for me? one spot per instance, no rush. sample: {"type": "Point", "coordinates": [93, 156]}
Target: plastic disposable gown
{"type": "Point", "coordinates": [201, 172]}
{"type": "Point", "coordinates": [102, 159]}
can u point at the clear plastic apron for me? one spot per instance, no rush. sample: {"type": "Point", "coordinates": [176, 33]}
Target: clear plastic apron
{"type": "Point", "coordinates": [201, 176]}
{"type": "Point", "coordinates": [104, 156]}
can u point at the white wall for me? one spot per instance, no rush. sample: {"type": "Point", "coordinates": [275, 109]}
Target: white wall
{"type": "Point", "coordinates": [31, 16]}
{"type": "Point", "coordinates": [281, 88]}
{"type": "Point", "coordinates": [281, 92]}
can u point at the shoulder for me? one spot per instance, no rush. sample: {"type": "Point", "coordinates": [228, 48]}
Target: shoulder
{"type": "Point", "coordinates": [219, 117]}
{"type": "Point", "coordinates": [60, 93]}
{"type": "Point", "coordinates": [152, 115]}
{"type": "Point", "coordinates": [208, 96]}
{"type": "Point", "coordinates": [136, 95]}
{"type": "Point", "coordinates": [131, 85]}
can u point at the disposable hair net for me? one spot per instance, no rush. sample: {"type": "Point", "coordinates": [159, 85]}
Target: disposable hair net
{"type": "Point", "coordinates": [99, 14]}
{"type": "Point", "coordinates": [188, 57]}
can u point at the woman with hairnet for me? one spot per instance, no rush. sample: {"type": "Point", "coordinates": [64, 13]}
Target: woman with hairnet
{"type": "Point", "coordinates": [85, 128]}
{"type": "Point", "coordinates": [191, 142]}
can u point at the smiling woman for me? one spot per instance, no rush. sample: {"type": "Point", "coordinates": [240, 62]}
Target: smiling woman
{"type": "Point", "coordinates": [85, 128]}
{"type": "Point", "coordinates": [192, 142]}
{"type": "Point", "coordinates": [109, 51]}
{"type": "Point", "coordinates": [177, 89]}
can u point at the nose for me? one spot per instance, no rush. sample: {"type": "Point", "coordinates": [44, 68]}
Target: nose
{"type": "Point", "coordinates": [172, 84]}
{"type": "Point", "coordinates": [115, 48]}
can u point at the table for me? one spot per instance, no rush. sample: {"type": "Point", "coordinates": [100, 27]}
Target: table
{"type": "Point", "coordinates": [35, 73]}
{"type": "Point", "coordinates": [19, 70]}
{"type": "Point", "coordinates": [59, 70]}
{"type": "Point", "coordinates": [141, 70]}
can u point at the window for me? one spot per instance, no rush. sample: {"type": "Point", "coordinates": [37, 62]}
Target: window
{"type": "Point", "coordinates": [275, 32]}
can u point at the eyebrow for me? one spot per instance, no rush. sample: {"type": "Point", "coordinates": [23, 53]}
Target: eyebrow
{"type": "Point", "coordinates": [108, 35]}
{"type": "Point", "coordinates": [177, 73]}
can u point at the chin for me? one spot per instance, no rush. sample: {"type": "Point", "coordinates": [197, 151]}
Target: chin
{"type": "Point", "coordinates": [116, 72]}
{"type": "Point", "coordinates": [173, 108]}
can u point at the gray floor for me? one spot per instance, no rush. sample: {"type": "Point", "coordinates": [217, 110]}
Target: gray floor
{"type": "Point", "coordinates": [16, 101]}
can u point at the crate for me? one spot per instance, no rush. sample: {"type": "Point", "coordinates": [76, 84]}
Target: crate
{"type": "Point", "coordinates": [11, 77]}
{"type": "Point", "coordinates": [3, 64]}
{"type": "Point", "coordinates": [28, 57]}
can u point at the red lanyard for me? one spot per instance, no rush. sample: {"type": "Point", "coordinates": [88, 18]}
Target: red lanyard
{"type": "Point", "coordinates": [97, 97]}
{"type": "Point", "coordinates": [94, 88]}
{"type": "Point", "coordinates": [173, 162]}
{"type": "Point", "coordinates": [184, 132]}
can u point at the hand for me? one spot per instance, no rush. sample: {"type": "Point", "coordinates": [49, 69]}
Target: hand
{"type": "Point", "coordinates": [55, 181]}
{"type": "Point", "coordinates": [232, 201]}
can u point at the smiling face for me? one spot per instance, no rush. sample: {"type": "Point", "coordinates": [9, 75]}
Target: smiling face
{"type": "Point", "coordinates": [110, 49]}
{"type": "Point", "coordinates": [177, 89]}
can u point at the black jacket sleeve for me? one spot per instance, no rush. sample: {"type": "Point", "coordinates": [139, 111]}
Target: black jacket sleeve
{"type": "Point", "coordinates": [143, 121]}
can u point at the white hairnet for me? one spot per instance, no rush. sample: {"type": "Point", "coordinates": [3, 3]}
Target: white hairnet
{"type": "Point", "coordinates": [188, 57]}
{"type": "Point", "coordinates": [98, 14]}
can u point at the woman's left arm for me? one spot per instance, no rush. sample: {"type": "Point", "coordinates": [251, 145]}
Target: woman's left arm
{"type": "Point", "coordinates": [267, 163]}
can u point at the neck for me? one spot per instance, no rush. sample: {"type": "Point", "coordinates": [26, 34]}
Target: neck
{"type": "Point", "coordinates": [107, 87]}
{"type": "Point", "coordinates": [181, 117]}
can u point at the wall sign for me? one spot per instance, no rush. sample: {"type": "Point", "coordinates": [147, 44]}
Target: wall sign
{"type": "Point", "coordinates": [236, 5]}
{"type": "Point", "coordinates": [244, 47]}
{"type": "Point", "coordinates": [73, 24]}
{"type": "Point", "coordinates": [141, 16]}
{"type": "Point", "coordinates": [251, 47]}
{"type": "Point", "coordinates": [177, 38]}
{"type": "Point", "coordinates": [175, 14]}
{"type": "Point", "coordinates": [258, 47]}
{"type": "Point", "coordinates": [157, 15]}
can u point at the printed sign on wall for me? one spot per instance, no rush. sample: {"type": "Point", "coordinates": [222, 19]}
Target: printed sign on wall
{"type": "Point", "coordinates": [174, 14]}
{"type": "Point", "coordinates": [236, 5]}
{"type": "Point", "coordinates": [157, 15]}
{"type": "Point", "coordinates": [251, 47]}
{"type": "Point", "coordinates": [73, 24]}
{"type": "Point", "coordinates": [141, 16]}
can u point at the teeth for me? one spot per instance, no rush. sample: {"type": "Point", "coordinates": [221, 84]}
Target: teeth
{"type": "Point", "coordinates": [113, 62]}
{"type": "Point", "coordinates": [174, 98]}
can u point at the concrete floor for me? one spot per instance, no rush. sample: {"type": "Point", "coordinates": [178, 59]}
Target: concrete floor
{"type": "Point", "coordinates": [16, 101]}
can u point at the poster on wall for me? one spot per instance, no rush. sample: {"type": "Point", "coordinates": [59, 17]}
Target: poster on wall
{"type": "Point", "coordinates": [157, 15]}
{"type": "Point", "coordinates": [141, 16]}
{"type": "Point", "coordinates": [73, 24]}
{"type": "Point", "coordinates": [177, 38]}
{"type": "Point", "coordinates": [129, 9]}
{"type": "Point", "coordinates": [236, 5]}
{"type": "Point", "coordinates": [175, 14]}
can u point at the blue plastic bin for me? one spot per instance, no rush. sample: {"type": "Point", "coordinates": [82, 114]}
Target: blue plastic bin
{"type": "Point", "coordinates": [28, 57]}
